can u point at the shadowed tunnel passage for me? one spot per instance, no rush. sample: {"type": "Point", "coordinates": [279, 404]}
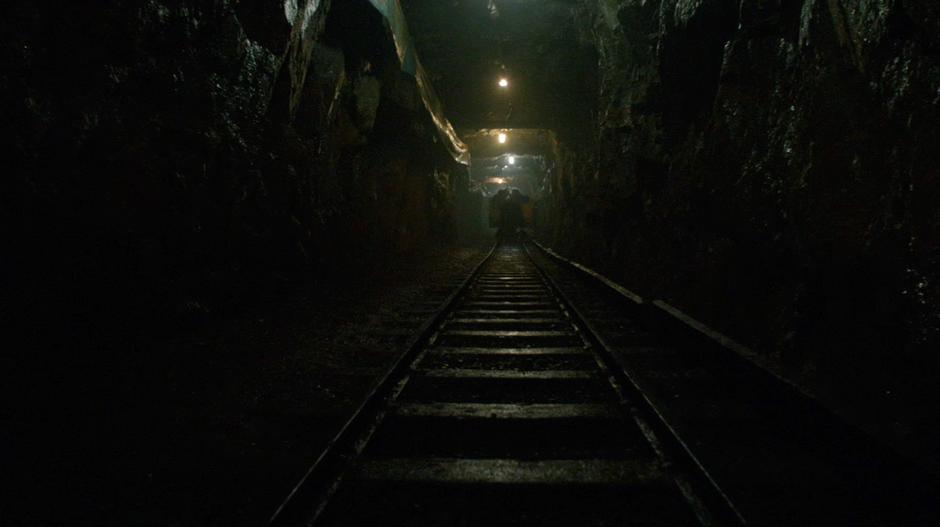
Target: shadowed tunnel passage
{"type": "Point", "coordinates": [263, 260]}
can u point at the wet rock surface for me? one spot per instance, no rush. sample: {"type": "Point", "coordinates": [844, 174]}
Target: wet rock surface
{"type": "Point", "coordinates": [170, 159]}
{"type": "Point", "coordinates": [191, 167]}
{"type": "Point", "coordinates": [770, 168]}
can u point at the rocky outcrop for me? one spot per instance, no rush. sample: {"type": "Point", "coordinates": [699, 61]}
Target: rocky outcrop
{"type": "Point", "coordinates": [770, 166]}
{"type": "Point", "coordinates": [174, 156]}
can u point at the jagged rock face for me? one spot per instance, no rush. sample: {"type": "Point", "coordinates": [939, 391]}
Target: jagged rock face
{"type": "Point", "coordinates": [172, 153]}
{"type": "Point", "coordinates": [771, 167]}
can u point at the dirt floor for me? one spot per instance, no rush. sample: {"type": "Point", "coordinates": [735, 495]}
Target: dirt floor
{"type": "Point", "coordinates": [215, 428]}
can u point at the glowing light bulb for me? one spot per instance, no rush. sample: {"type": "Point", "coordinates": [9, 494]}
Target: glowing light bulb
{"type": "Point", "coordinates": [502, 138]}
{"type": "Point", "coordinates": [503, 82]}
{"type": "Point", "coordinates": [512, 160]}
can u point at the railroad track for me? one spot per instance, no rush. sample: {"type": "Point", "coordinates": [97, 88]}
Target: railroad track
{"type": "Point", "coordinates": [506, 410]}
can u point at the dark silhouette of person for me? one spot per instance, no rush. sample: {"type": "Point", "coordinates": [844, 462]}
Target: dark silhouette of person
{"type": "Point", "coordinates": [496, 208]}
{"type": "Point", "coordinates": [510, 217]}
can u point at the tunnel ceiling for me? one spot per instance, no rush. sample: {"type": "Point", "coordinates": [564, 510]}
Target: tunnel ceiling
{"type": "Point", "coordinates": [521, 142]}
{"type": "Point", "coordinates": [466, 46]}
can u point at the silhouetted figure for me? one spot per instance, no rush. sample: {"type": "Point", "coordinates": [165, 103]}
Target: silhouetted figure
{"type": "Point", "coordinates": [496, 208]}
{"type": "Point", "coordinates": [506, 212]}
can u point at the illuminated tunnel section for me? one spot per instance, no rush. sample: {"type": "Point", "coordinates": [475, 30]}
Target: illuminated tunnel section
{"type": "Point", "coordinates": [524, 161]}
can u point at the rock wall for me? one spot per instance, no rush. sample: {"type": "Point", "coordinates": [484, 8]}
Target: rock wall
{"type": "Point", "coordinates": [180, 156]}
{"type": "Point", "coordinates": [770, 167]}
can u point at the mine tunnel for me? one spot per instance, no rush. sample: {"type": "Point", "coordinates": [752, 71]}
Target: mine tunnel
{"type": "Point", "coordinates": [470, 263]}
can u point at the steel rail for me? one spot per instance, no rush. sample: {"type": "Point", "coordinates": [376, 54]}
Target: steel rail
{"type": "Point", "coordinates": [661, 307]}
{"type": "Point", "coordinates": [715, 498]}
{"type": "Point", "coordinates": [867, 451]}
{"type": "Point", "coordinates": [307, 499]}
{"type": "Point", "coordinates": [312, 494]}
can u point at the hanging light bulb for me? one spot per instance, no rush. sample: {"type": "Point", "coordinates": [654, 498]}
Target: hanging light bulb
{"type": "Point", "coordinates": [502, 138]}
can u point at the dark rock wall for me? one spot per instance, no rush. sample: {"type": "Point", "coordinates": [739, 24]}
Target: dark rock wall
{"type": "Point", "coordinates": [179, 156]}
{"type": "Point", "coordinates": [770, 167]}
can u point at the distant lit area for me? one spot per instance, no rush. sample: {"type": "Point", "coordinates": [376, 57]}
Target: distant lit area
{"type": "Point", "coordinates": [503, 82]}
{"type": "Point", "coordinates": [502, 138]}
